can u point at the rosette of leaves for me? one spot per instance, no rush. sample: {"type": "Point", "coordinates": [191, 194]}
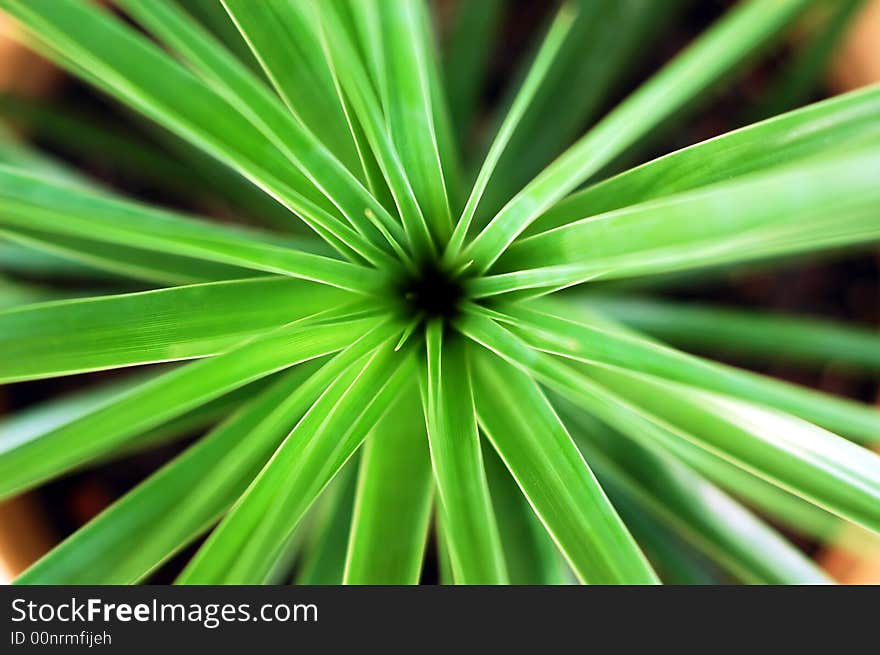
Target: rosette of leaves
{"type": "Point", "coordinates": [410, 354]}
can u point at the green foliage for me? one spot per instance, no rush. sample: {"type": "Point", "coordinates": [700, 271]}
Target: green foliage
{"type": "Point", "coordinates": [404, 360]}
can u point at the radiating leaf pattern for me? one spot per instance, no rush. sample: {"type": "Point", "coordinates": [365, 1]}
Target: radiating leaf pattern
{"type": "Point", "coordinates": [389, 376]}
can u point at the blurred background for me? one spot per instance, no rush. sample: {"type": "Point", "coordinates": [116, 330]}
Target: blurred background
{"type": "Point", "coordinates": [831, 50]}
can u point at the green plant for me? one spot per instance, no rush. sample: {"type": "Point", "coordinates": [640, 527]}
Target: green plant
{"type": "Point", "coordinates": [424, 319]}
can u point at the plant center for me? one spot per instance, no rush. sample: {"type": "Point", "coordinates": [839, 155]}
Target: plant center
{"type": "Point", "coordinates": [432, 293]}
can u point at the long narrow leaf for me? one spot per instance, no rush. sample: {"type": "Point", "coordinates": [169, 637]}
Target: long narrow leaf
{"type": "Point", "coordinates": [169, 509]}
{"type": "Point", "coordinates": [703, 514]}
{"type": "Point", "coordinates": [540, 454]}
{"type": "Point", "coordinates": [712, 55]}
{"type": "Point", "coordinates": [287, 46]}
{"type": "Point", "coordinates": [354, 79]}
{"type": "Point", "coordinates": [74, 336]}
{"type": "Point", "coordinates": [301, 147]}
{"type": "Point", "coordinates": [529, 552]}
{"type": "Point", "coordinates": [800, 457]}
{"type": "Point", "coordinates": [755, 334]}
{"type": "Point", "coordinates": [411, 115]}
{"type": "Point", "coordinates": [246, 544]}
{"type": "Point", "coordinates": [125, 64]}
{"type": "Point", "coordinates": [469, 524]}
{"type": "Point", "coordinates": [609, 42]}
{"type": "Point", "coordinates": [52, 252]}
{"type": "Point", "coordinates": [29, 202]}
{"type": "Point", "coordinates": [832, 125]}
{"type": "Point", "coordinates": [826, 204]}
{"type": "Point", "coordinates": [466, 59]}
{"type": "Point", "coordinates": [392, 511]}
{"type": "Point", "coordinates": [166, 397]}
{"type": "Point", "coordinates": [549, 49]}
{"type": "Point", "coordinates": [323, 561]}
{"type": "Point", "coordinates": [577, 335]}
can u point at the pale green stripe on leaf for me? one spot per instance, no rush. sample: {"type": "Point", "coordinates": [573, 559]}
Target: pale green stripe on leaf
{"type": "Point", "coordinates": [757, 334]}
{"type": "Point", "coordinates": [469, 524]}
{"type": "Point", "coordinates": [830, 202]}
{"type": "Point", "coordinates": [832, 125]}
{"type": "Point", "coordinates": [392, 510]}
{"type": "Point", "coordinates": [29, 202]}
{"type": "Point", "coordinates": [245, 546]}
{"type": "Point", "coordinates": [73, 336]}
{"type": "Point", "coordinates": [706, 60]}
{"type": "Point", "coordinates": [170, 508]}
{"type": "Point", "coordinates": [541, 456]}
{"type": "Point", "coordinates": [567, 331]}
{"type": "Point", "coordinates": [166, 397]}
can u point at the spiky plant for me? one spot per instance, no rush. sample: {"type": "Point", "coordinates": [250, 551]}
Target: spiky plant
{"type": "Point", "coordinates": [415, 358]}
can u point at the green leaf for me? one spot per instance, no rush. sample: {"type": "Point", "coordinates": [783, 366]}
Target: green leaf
{"type": "Point", "coordinates": [801, 75]}
{"type": "Point", "coordinates": [543, 60]}
{"type": "Point", "coordinates": [564, 330]}
{"type": "Point", "coordinates": [811, 206]}
{"type": "Point", "coordinates": [466, 58]}
{"type": "Point", "coordinates": [323, 561]}
{"type": "Point", "coordinates": [284, 39]}
{"type": "Point", "coordinates": [16, 154]}
{"type": "Point", "coordinates": [42, 417]}
{"type": "Point", "coordinates": [468, 522]}
{"type": "Point", "coordinates": [37, 419]}
{"type": "Point", "coordinates": [75, 133]}
{"type": "Point", "coordinates": [75, 336]}
{"type": "Point", "coordinates": [154, 267]}
{"type": "Point", "coordinates": [833, 125]}
{"type": "Point", "coordinates": [50, 253]}
{"type": "Point", "coordinates": [697, 510]}
{"type": "Point", "coordinates": [169, 396]}
{"type": "Point", "coordinates": [608, 43]}
{"type": "Point", "coordinates": [785, 508]}
{"type": "Point", "coordinates": [758, 335]}
{"type": "Point", "coordinates": [798, 456]}
{"type": "Point", "coordinates": [348, 67]}
{"type": "Point", "coordinates": [802, 458]}
{"type": "Point", "coordinates": [31, 203]}
{"type": "Point", "coordinates": [300, 146]}
{"type": "Point", "coordinates": [674, 560]}
{"type": "Point", "coordinates": [411, 111]}
{"type": "Point", "coordinates": [393, 505]}
{"type": "Point", "coordinates": [246, 544]}
{"type": "Point", "coordinates": [145, 152]}
{"type": "Point", "coordinates": [195, 421]}
{"type": "Point", "coordinates": [444, 563]}
{"type": "Point", "coordinates": [173, 506]}
{"type": "Point", "coordinates": [712, 55]}
{"type": "Point", "coordinates": [15, 294]}
{"type": "Point", "coordinates": [29, 261]}
{"type": "Point", "coordinates": [529, 552]}
{"type": "Point", "coordinates": [540, 454]}
{"type": "Point", "coordinates": [213, 15]}
{"type": "Point", "coordinates": [122, 62]}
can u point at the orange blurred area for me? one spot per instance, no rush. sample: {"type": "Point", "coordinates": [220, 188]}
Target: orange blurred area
{"type": "Point", "coordinates": [21, 71]}
{"type": "Point", "coordinates": [24, 535]}
{"type": "Point", "coordinates": [857, 62]}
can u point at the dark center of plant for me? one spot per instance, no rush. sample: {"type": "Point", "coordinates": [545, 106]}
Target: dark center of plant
{"type": "Point", "coordinates": [432, 293]}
